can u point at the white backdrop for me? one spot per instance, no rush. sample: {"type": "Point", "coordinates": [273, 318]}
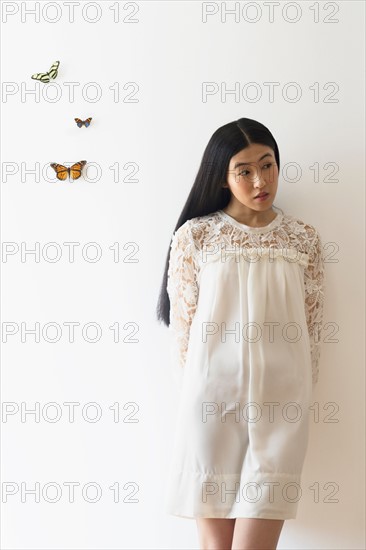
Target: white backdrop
{"type": "Point", "coordinates": [156, 77]}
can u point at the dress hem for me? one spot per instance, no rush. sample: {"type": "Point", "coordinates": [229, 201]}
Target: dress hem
{"type": "Point", "coordinates": [229, 516]}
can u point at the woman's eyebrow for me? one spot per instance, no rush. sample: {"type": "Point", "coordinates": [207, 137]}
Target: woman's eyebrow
{"type": "Point", "coordinates": [242, 163]}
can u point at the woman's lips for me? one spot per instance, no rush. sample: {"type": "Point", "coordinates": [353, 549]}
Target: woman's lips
{"type": "Point", "coordinates": [262, 197]}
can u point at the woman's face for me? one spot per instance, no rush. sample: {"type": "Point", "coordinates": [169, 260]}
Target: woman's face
{"type": "Point", "coordinates": [252, 171]}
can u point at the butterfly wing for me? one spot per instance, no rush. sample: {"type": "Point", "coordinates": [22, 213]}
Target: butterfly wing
{"type": "Point", "coordinates": [61, 171]}
{"type": "Point", "coordinates": [87, 121]}
{"type": "Point", "coordinates": [75, 169]}
{"type": "Point", "coordinates": [79, 122]}
{"type": "Point", "coordinates": [53, 72]}
{"type": "Point", "coordinates": [43, 77]}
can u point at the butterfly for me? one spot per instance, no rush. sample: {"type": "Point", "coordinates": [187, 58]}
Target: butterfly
{"type": "Point", "coordinates": [73, 171]}
{"type": "Point", "coordinates": [46, 77]}
{"type": "Point", "coordinates": [81, 122]}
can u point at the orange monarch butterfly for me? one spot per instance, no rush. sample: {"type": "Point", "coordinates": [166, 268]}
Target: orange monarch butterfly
{"type": "Point", "coordinates": [46, 77]}
{"type": "Point", "coordinates": [73, 171]}
{"type": "Point", "coordinates": [81, 122]}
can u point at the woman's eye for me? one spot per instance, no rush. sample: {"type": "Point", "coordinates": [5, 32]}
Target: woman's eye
{"type": "Point", "coordinates": [246, 172]}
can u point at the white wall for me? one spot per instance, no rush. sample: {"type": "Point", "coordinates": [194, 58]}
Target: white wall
{"type": "Point", "coordinates": [169, 52]}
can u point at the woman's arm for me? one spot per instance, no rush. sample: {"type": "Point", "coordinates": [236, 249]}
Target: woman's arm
{"type": "Point", "coordinates": [182, 289]}
{"type": "Point", "coordinates": [314, 301]}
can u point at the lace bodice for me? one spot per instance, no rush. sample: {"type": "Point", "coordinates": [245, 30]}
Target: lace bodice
{"type": "Point", "coordinates": [285, 236]}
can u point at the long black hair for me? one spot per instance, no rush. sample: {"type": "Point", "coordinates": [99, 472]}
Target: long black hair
{"type": "Point", "coordinates": [207, 194]}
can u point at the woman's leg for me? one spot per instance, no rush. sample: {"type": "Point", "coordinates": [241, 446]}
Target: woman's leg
{"type": "Point", "coordinates": [256, 534]}
{"type": "Point", "coordinates": [215, 533]}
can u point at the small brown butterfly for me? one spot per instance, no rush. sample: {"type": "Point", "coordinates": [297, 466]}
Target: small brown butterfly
{"type": "Point", "coordinates": [80, 123]}
{"type": "Point", "coordinates": [74, 171]}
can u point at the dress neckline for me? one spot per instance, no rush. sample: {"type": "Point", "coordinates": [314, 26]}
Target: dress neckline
{"type": "Point", "coordinates": [274, 223]}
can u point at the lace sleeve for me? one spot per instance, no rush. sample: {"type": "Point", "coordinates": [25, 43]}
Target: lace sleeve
{"type": "Point", "coordinates": [182, 289]}
{"type": "Point", "coordinates": [314, 301]}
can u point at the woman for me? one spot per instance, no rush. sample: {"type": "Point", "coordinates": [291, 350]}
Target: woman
{"type": "Point", "coordinates": [243, 295]}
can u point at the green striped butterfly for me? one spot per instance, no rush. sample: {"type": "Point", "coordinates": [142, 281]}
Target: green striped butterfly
{"type": "Point", "coordinates": [46, 77]}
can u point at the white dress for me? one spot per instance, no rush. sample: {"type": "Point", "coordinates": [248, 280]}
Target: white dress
{"type": "Point", "coordinates": [246, 310]}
